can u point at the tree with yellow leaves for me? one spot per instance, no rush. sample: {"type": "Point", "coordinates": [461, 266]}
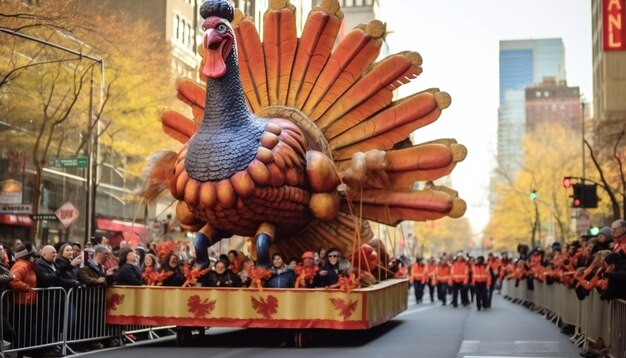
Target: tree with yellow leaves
{"type": "Point", "coordinates": [550, 153]}
{"type": "Point", "coordinates": [45, 90]}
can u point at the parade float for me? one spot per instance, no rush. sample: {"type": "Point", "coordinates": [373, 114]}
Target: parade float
{"type": "Point", "coordinates": [296, 143]}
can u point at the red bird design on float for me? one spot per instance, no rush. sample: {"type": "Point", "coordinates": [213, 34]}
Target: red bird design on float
{"type": "Point", "coordinates": [200, 307]}
{"type": "Point", "coordinates": [113, 301]}
{"type": "Point", "coordinates": [265, 307]}
{"type": "Point", "coordinates": [344, 309]}
{"type": "Point", "coordinates": [297, 142]}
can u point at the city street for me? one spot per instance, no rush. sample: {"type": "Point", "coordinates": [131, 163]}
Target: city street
{"type": "Point", "coordinates": [425, 330]}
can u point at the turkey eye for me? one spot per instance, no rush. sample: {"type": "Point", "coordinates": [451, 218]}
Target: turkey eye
{"type": "Point", "coordinates": [221, 28]}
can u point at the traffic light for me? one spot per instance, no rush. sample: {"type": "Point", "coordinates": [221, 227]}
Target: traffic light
{"type": "Point", "coordinates": [533, 195]}
{"type": "Point", "coordinates": [585, 196]}
{"type": "Point", "coordinates": [594, 231]}
{"type": "Point", "coordinates": [567, 182]}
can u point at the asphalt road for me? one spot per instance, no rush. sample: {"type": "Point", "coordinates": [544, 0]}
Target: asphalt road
{"type": "Point", "coordinates": [424, 330]}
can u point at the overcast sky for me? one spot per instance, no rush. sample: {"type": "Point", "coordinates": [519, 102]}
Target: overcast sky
{"type": "Point", "coordinates": [459, 43]}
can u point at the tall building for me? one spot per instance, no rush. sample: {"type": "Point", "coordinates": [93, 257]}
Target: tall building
{"type": "Point", "coordinates": [609, 68]}
{"type": "Point", "coordinates": [522, 63]}
{"type": "Point", "coordinates": [553, 101]}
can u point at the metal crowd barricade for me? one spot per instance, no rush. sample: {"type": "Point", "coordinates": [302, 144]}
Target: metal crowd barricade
{"type": "Point", "coordinates": [86, 316]}
{"type": "Point", "coordinates": [59, 319]}
{"type": "Point", "coordinates": [37, 317]}
{"type": "Point", "coordinates": [618, 329]}
{"type": "Point", "coordinates": [592, 317]}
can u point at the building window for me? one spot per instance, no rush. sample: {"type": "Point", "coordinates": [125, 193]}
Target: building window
{"type": "Point", "coordinates": [185, 39]}
{"type": "Point", "coordinates": [189, 37]}
{"type": "Point", "coordinates": [176, 25]}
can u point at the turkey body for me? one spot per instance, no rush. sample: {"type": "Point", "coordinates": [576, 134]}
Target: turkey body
{"type": "Point", "coordinates": [239, 171]}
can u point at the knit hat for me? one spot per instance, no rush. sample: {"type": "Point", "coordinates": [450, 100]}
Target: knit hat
{"type": "Point", "coordinates": [606, 231]}
{"type": "Point", "coordinates": [141, 247]}
{"type": "Point", "coordinates": [21, 251]}
{"type": "Point", "coordinates": [308, 255]}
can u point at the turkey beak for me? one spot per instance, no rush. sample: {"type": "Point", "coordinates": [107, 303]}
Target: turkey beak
{"type": "Point", "coordinates": [215, 54]}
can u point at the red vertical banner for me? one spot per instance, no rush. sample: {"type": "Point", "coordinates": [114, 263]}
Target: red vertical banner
{"type": "Point", "coordinates": [614, 25]}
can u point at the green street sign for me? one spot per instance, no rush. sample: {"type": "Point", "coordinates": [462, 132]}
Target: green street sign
{"type": "Point", "coordinates": [72, 162]}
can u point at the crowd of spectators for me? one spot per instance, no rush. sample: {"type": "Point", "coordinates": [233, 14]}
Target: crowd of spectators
{"type": "Point", "coordinates": [68, 265]}
{"type": "Point", "coordinates": [591, 263]}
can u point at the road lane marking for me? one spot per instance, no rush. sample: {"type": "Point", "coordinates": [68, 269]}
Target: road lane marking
{"type": "Point", "coordinates": [418, 310]}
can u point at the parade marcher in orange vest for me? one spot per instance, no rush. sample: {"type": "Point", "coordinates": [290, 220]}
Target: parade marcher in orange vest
{"type": "Point", "coordinates": [493, 263]}
{"type": "Point", "coordinates": [506, 267]}
{"type": "Point", "coordinates": [470, 264]}
{"type": "Point", "coordinates": [430, 271]}
{"type": "Point", "coordinates": [459, 278]}
{"type": "Point", "coordinates": [418, 277]}
{"type": "Point", "coordinates": [442, 277]}
{"type": "Point", "coordinates": [481, 280]}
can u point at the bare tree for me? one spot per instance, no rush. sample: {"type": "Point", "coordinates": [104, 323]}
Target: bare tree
{"type": "Point", "coordinates": [613, 190]}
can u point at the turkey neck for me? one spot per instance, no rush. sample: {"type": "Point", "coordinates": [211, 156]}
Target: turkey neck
{"type": "Point", "coordinates": [225, 105]}
{"type": "Point", "coordinates": [229, 135]}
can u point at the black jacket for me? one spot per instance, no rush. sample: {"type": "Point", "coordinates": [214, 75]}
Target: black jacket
{"type": "Point", "coordinates": [67, 274]}
{"type": "Point", "coordinates": [227, 279]}
{"type": "Point", "coordinates": [5, 277]}
{"type": "Point", "coordinates": [177, 279]}
{"type": "Point", "coordinates": [129, 274]}
{"type": "Point", "coordinates": [46, 274]}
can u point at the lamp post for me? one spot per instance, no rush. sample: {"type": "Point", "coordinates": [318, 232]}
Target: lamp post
{"type": "Point", "coordinates": [92, 168]}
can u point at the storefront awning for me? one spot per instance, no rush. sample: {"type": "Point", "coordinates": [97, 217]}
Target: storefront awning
{"type": "Point", "coordinates": [16, 220]}
{"type": "Point", "coordinates": [120, 226]}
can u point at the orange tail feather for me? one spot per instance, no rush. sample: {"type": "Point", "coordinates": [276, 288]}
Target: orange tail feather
{"type": "Point", "coordinates": [314, 48]}
{"type": "Point", "coordinates": [355, 52]}
{"type": "Point", "coordinates": [385, 76]}
{"type": "Point", "coordinates": [280, 42]}
{"type": "Point", "coordinates": [391, 126]}
{"type": "Point", "coordinates": [252, 65]}
{"type": "Point", "coordinates": [392, 207]}
{"type": "Point", "coordinates": [178, 126]}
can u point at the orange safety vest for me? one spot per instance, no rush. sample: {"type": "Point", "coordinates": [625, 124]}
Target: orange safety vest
{"type": "Point", "coordinates": [442, 273]}
{"type": "Point", "coordinates": [418, 273]}
{"type": "Point", "coordinates": [481, 274]}
{"type": "Point", "coordinates": [430, 271]}
{"type": "Point", "coordinates": [494, 265]}
{"type": "Point", "coordinates": [459, 272]}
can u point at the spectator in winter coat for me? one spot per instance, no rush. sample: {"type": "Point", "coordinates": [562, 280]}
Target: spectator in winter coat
{"type": "Point", "coordinates": [329, 273]}
{"type": "Point", "coordinates": [282, 275]}
{"type": "Point", "coordinates": [93, 273]}
{"type": "Point", "coordinates": [24, 283]}
{"type": "Point", "coordinates": [172, 264]}
{"type": "Point", "coordinates": [615, 264]}
{"type": "Point", "coordinates": [603, 240]}
{"type": "Point", "coordinates": [221, 276]}
{"type": "Point", "coordinates": [45, 269]}
{"type": "Point", "coordinates": [8, 334]}
{"type": "Point", "coordinates": [67, 267]}
{"type": "Point", "coordinates": [618, 230]}
{"type": "Point", "coordinates": [129, 273]}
